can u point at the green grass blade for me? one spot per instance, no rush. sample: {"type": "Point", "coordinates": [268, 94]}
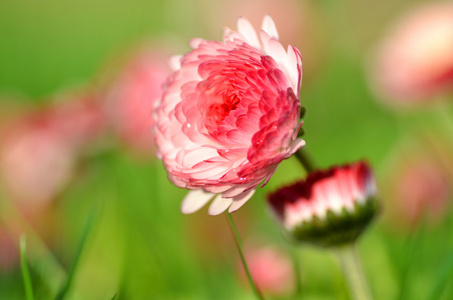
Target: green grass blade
{"type": "Point", "coordinates": [442, 278]}
{"type": "Point", "coordinates": [24, 267]}
{"type": "Point", "coordinates": [72, 271]}
{"type": "Point", "coordinates": [41, 259]}
{"type": "Point", "coordinates": [414, 244]}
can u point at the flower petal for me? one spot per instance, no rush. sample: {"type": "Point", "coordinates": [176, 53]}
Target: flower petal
{"type": "Point", "coordinates": [240, 200]}
{"type": "Point", "coordinates": [269, 27]}
{"type": "Point", "coordinates": [246, 29]}
{"type": "Point", "coordinates": [175, 62]}
{"type": "Point", "coordinates": [195, 200]}
{"type": "Point", "coordinates": [219, 205]}
{"type": "Point", "coordinates": [228, 116]}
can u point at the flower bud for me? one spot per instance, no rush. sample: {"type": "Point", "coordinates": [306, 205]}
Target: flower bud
{"type": "Point", "coordinates": [329, 208]}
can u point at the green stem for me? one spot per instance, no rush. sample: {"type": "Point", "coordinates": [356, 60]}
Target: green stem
{"type": "Point", "coordinates": [353, 272]}
{"type": "Point", "coordinates": [297, 275]}
{"type": "Point", "coordinates": [305, 160]}
{"type": "Point", "coordinates": [24, 267]}
{"type": "Point", "coordinates": [237, 239]}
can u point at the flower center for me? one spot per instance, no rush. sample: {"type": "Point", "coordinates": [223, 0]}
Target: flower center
{"type": "Point", "coordinates": [218, 111]}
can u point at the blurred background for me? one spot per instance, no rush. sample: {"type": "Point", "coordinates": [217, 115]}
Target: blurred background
{"type": "Point", "coordinates": [77, 163]}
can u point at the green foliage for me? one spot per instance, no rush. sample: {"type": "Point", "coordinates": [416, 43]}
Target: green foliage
{"type": "Point", "coordinates": [139, 246]}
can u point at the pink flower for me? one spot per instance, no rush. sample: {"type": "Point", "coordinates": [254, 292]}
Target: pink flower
{"type": "Point", "coordinates": [39, 149]}
{"type": "Point", "coordinates": [270, 268]}
{"type": "Point", "coordinates": [35, 162]}
{"type": "Point", "coordinates": [229, 115]}
{"type": "Point", "coordinates": [78, 117]}
{"type": "Point", "coordinates": [132, 96]}
{"type": "Point", "coordinates": [418, 184]}
{"type": "Point", "coordinates": [329, 207]}
{"type": "Point", "coordinates": [415, 61]}
{"type": "Point", "coordinates": [422, 190]}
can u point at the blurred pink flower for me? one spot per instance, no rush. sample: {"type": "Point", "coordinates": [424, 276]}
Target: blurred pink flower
{"type": "Point", "coordinates": [229, 115]}
{"type": "Point", "coordinates": [419, 189]}
{"type": "Point", "coordinates": [271, 270]}
{"type": "Point", "coordinates": [35, 162]}
{"type": "Point", "coordinates": [38, 149]}
{"type": "Point", "coordinates": [423, 190]}
{"type": "Point", "coordinates": [329, 207]}
{"type": "Point", "coordinates": [78, 117]}
{"type": "Point", "coordinates": [132, 96]}
{"type": "Point", "coordinates": [414, 62]}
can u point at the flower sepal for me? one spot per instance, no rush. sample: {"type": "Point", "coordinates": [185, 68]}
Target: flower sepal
{"type": "Point", "coordinates": [336, 229]}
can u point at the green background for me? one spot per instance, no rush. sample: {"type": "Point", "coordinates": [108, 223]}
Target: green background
{"type": "Point", "coordinates": [141, 246]}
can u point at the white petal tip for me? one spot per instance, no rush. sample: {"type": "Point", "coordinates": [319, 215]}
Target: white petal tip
{"type": "Point", "coordinates": [240, 200]}
{"type": "Point", "coordinates": [175, 62]}
{"type": "Point", "coordinates": [195, 43]}
{"type": "Point", "coordinates": [269, 27]}
{"type": "Point", "coordinates": [195, 200]}
{"type": "Point", "coordinates": [246, 30]}
{"type": "Point", "coordinates": [219, 205]}
{"type": "Point", "coordinates": [296, 145]}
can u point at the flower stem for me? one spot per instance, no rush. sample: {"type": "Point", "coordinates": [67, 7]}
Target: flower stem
{"type": "Point", "coordinates": [305, 160]}
{"type": "Point", "coordinates": [353, 272]}
{"type": "Point", "coordinates": [297, 275]}
{"type": "Point", "coordinates": [237, 239]}
{"type": "Point", "coordinates": [24, 267]}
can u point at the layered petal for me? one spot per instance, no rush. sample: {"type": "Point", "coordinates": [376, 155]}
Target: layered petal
{"type": "Point", "coordinates": [230, 114]}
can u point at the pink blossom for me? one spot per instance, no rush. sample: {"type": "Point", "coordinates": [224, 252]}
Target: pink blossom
{"type": "Point", "coordinates": [229, 115]}
{"type": "Point", "coordinates": [77, 117]}
{"type": "Point", "coordinates": [38, 149]}
{"type": "Point", "coordinates": [270, 268]}
{"type": "Point", "coordinates": [132, 96]}
{"type": "Point", "coordinates": [419, 186]}
{"type": "Point", "coordinates": [415, 62]}
{"type": "Point", "coordinates": [35, 162]}
{"type": "Point", "coordinates": [423, 190]}
{"type": "Point", "coordinates": [334, 190]}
